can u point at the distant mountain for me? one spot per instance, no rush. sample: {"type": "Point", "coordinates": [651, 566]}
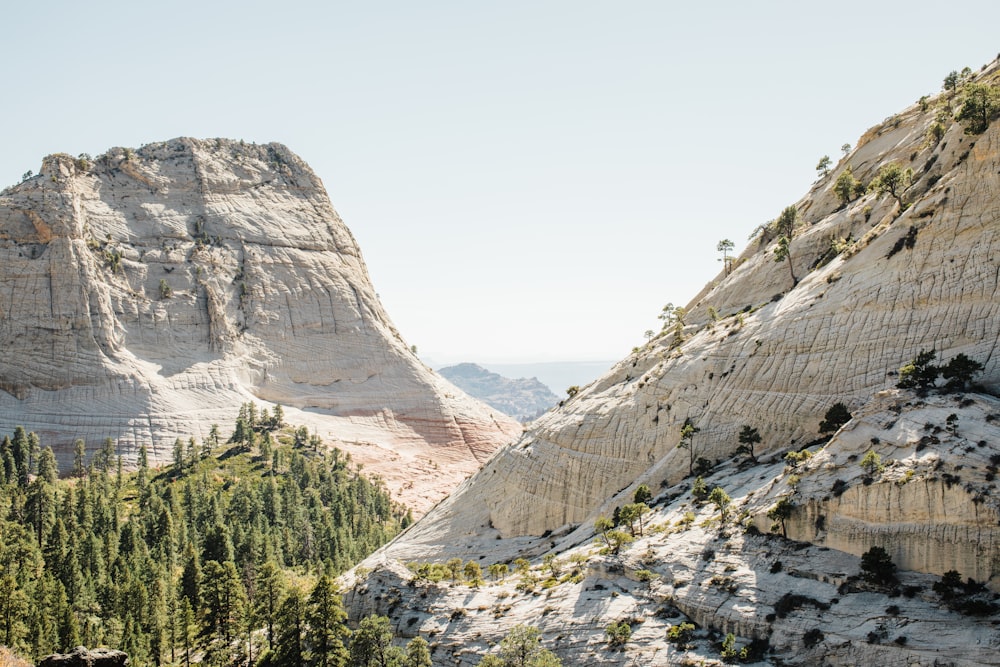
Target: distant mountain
{"type": "Point", "coordinates": [523, 398]}
{"type": "Point", "coordinates": [556, 375]}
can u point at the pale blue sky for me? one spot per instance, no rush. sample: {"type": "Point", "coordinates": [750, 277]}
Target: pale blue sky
{"type": "Point", "coordinates": [527, 180]}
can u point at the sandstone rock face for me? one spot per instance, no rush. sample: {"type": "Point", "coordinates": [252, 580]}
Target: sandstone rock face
{"type": "Point", "coordinates": [877, 284]}
{"type": "Point", "coordinates": [876, 287]}
{"type": "Point", "coordinates": [148, 293]}
{"type": "Point", "coordinates": [740, 575]}
{"type": "Point", "coordinates": [933, 508]}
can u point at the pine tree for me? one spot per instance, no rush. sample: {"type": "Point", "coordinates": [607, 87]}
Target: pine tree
{"type": "Point", "coordinates": [79, 458]}
{"type": "Point", "coordinates": [288, 646]}
{"type": "Point", "coordinates": [191, 577]}
{"type": "Point", "coordinates": [20, 449]}
{"type": "Point", "coordinates": [187, 629]}
{"type": "Point", "coordinates": [371, 644]}
{"type": "Point", "coordinates": [269, 592]}
{"type": "Point", "coordinates": [178, 457]}
{"type": "Point", "coordinates": [327, 630]}
{"type": "Point", "coordinates": [418, 653]}
{"type": "Point", "coordinates": [223, 598]}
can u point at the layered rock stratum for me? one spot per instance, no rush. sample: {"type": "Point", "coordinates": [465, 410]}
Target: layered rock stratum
{"type": "Point", "coordinates": [521, 398]}
{"type": "Point", "coordinates": [147, 293]}
{"type": "Point", "coordinates": [878, 280]}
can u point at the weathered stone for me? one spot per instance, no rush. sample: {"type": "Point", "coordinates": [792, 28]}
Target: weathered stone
{"type": "Point", "coordinates": [82, 657]}
{"type": "Point", "coordinates": [146, 295]}
{"type": "Point", "coordinates": [778, 357]}
{"type": "Point", "coordinates": [774, 356]}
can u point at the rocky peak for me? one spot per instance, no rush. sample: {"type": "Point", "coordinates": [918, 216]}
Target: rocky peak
{"type": "Point", "coordinates": [149, 292]}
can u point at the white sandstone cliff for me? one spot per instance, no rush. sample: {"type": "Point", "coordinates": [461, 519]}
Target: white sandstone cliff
{"type": "Point", "coordinates": [147, 294]}
{"type": "Point", "coordinates": [877, 283]}
{"type": "Point", "coordinates": [778, 356]}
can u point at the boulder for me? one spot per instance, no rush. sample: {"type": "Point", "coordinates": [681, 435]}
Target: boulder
{"type": "Point", "coordinates": [83, 657]}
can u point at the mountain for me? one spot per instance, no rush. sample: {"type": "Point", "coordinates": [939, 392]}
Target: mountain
{"type": "Point", "coordinates": [523, 398]}
{"type": "Point", "coordinates": [148, 293]}
{"type": "Point", "coordinates": [556, 375]}
{"type": "Point", "coordinates": [821, 312]}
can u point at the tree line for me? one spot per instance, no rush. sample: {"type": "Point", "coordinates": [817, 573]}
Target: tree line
{"type": "Point", "coordinates": [229, 555]}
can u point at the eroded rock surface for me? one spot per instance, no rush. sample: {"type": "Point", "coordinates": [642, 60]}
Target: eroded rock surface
{"type": "Point", "coordinates": [146, 294]}
{"type": "Point", "coordinates": [82, 657]}
{"type": "Point", "coordinates": [877, 283]}
{"type": "Point", "coordinates": [802, 597]}
{"type": "Point", "coordinates": [876, 286]}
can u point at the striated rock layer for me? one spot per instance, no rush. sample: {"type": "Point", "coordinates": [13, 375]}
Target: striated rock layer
{"type": "Point", "coordinates": [875, 286]}
{"type": "Point", "coordinates": [738, 574]}
{"type": "Point", "coordinates": [774, 555]}
{"type": "Point", "coordinates": [146, 294]}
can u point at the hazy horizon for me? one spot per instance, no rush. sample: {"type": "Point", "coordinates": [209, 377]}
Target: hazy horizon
{"type": "Point", "coordinates": [525, 180]}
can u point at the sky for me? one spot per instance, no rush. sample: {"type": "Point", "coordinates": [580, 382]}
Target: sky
{"type": "Point", "coordinates": [528, 180]}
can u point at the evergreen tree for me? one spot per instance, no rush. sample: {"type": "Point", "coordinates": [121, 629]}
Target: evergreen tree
{"type": "Point", "coordinates": [749, 438]}
{"type": "Point", "coordinates": [835, 417]}
{"type": "Point", "coordinates": [79, 458]}
{"type": "Point", "coordinates": [959, 372]}
{"type": "Point", "coordinates": [371, 644]}
{"type": "Point", "coordinates": [327, 630]}
{"type": "Point", "coordinates": [191, 577]}
{"type": "Point", "coordinates": [20, 449]}
{"type": "Point", "coordinates": [217, 544]}
{"type": "Point", "coordinates": [187, 629]}
{"type": "Point", "coordinates": [418, 653]}
{"type": "Point", "coordinates": [142, 476]}
{"type": "Point", "coordinates": [892, 179]}
{"type": "Point", "coordinates": [919, 373]}
{"type": "Point", "coordinates": [48, 468]}
{"type": "Point", "coordinates": [105, 456]}
{"type": "Point", "coordinates": [785, 225]}
{"type": "Point", "coordinates": [223, 600]}
{"type": "Point", "coordinates": [688, 432]}
{"type": "Point", "coordinates": [289, 640]}
{"type": "Point", "coordinates": [179, 460]}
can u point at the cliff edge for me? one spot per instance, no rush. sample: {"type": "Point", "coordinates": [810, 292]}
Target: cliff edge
{"type": "Point", "coordinates": [147, 293]}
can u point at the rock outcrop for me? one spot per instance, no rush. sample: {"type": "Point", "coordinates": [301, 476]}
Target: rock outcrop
{"type": "Point", "coordinates": [877, 279]}
{"type": "Point", "coordinates": [523, 398]}
{"type": "Point", "coordinates": [146, 294]}
{"type": "Point", "coordinates": [876, 285]}
{"type": "Point", "coordinates": [82, 657]}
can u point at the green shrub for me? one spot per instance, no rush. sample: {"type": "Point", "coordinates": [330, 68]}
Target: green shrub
{"type": "Point", "coordinates": [794, 459]}
{"type": "Point", "coordinates": [618, 633]}
{"type": "Point", "coordinates": [835, 417]}
{"type": "Point", "coordinates": [877, 567]}
{"type": "Point", "coordinates": [812, 637]}
{"type": "Point", "coordinates": [980, 108]}
{"type": "Point", "coordinates": [919, 373]}
{"type": "Point", "coordinates": [872, 462]}
{"type": "Point", "coordinates": [680, 633]}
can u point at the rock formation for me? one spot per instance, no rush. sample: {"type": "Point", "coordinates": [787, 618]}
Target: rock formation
{"type": "Point", "coordinates": [877, 279]}
{"type": "Point", "coordinates": [877, 285]}
{"type": "Point", "coordinates": [148, 293]}
{"type": "Point", "coordinates": [81, 657]}
{"type": "Point", "coordinates": [523, 398]}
